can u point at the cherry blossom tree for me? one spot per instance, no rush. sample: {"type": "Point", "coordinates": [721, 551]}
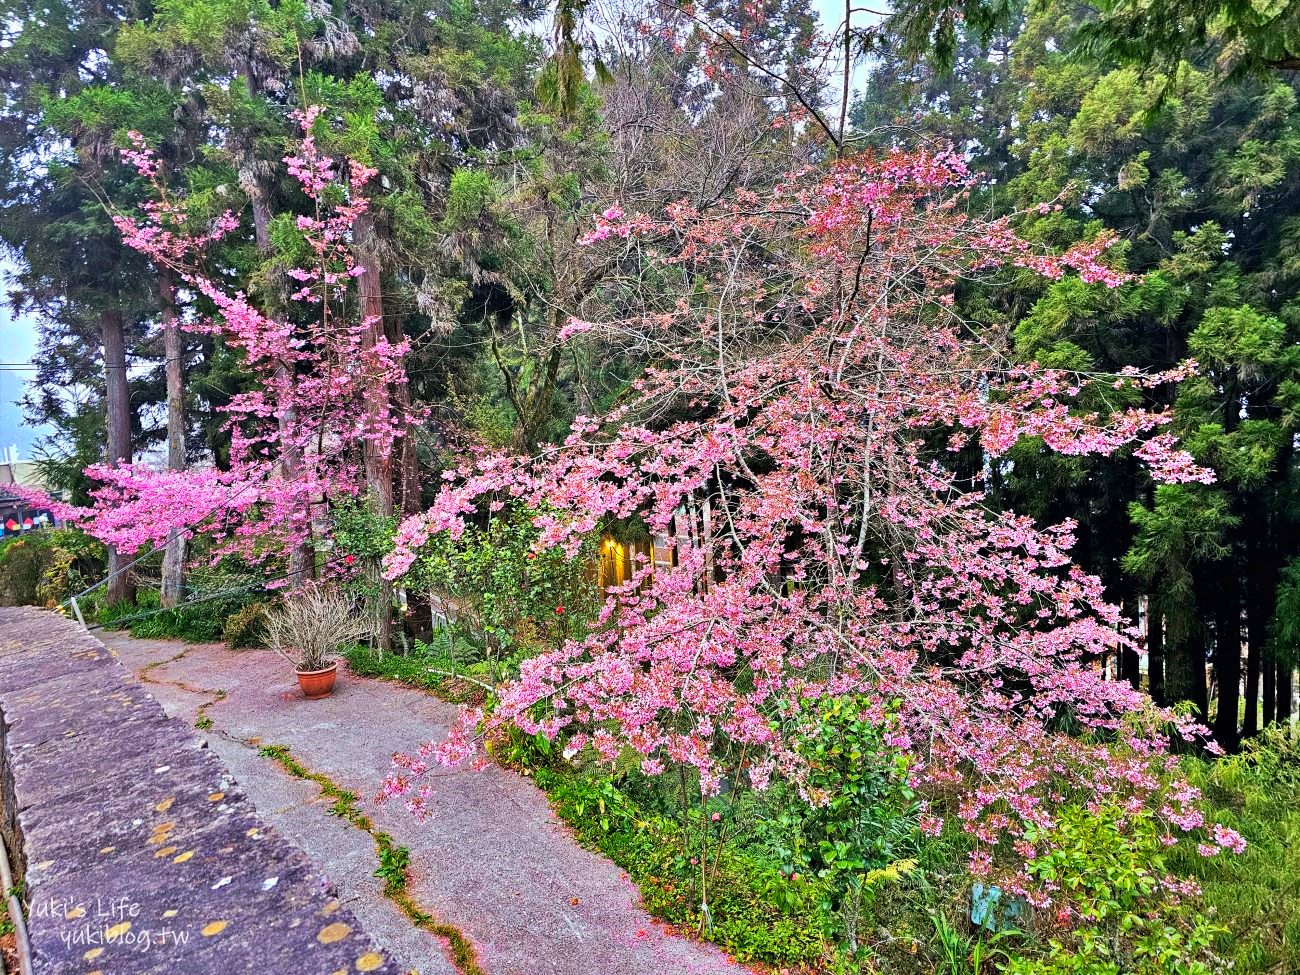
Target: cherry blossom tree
{"type": "Point", "coordinates": [322, 373]}
{"type": "Point", "coordinates": [791, 446]}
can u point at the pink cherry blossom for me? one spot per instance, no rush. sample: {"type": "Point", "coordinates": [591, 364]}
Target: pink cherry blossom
{"type": "Point", "coordinates": [293, 436]}
{"type": "Point", "coordinates": [786, 448]}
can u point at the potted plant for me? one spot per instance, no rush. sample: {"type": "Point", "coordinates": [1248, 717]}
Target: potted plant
{"type": "Point", "coordinates": [308, 631]}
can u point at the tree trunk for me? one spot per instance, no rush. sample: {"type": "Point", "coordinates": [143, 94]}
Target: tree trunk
{"type": "Point", "coordinates": [118, 400]}
{"type": "Point", "coordinates": [542, 395]}
{"type": "Point", "coordinates": [1196, 657]}
{"type": "Point", "coordinates": [1155, 650]}
{"type": "Point", "coordinates": [532, 404]}
{"type": "Point", "coordinates": [377, 448]}
{"type": "Point", "coordinates": [378, 445]}
{"type": "Point", "coordinates": [1185, 673]}
{"type": "Point", "coordinates": [173, 570]}
{"type": "Point", "coordinates": [1260, 581]}
{"type": "Point", "coordinates": [1283, 688]}
{"type": "Point", "coordinates": [1130, 664]}
{"type": "Point", "coordinates": [1227, 656]}
{"type": "Point", "coordinates": [1185, 654]}
{"type": "Point", "coordinates": [1227, 612]}
{"type": "Point", "coordinates": [1268, 673]}
{"type": "Point", "coordinates": [408, 457]}
{"type": "Point", "coordinates": [302, 559]}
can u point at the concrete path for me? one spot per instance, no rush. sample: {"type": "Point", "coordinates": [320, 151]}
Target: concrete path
{"type": "Point", "coordinates": [490, 859]}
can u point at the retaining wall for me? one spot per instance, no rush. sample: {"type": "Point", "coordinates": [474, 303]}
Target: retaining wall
{"type": "Point", "coordinates": [138, 852]}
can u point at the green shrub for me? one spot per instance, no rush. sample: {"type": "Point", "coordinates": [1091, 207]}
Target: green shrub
{"type": "Point", "coordinates": [360, 533]}
{"type": "Point", "coordinates": [45, 567]}
{"type": "Point", "coordinates": [470, 193]}
{"type": "Point", "coordinates": [22, 564]}
{"type": "Point", "coordinates": [864, 817]}
{"type": "Point", "coordinates": [201, 622]}
{"type": "Point", "coordinates": [1116, 912]}
{"type": "Point", "coordinates": [246, 627]}
{"type": "Point", "coordinates": [505, 598]}
{"type": "Point", "coordinates": [56, 582]}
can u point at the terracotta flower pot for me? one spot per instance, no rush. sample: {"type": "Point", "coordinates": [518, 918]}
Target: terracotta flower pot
{"type": "Point", "coordinates": [316, 684]}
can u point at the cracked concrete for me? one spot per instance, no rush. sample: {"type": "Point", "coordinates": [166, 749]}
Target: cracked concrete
{"type": "Point", "coordinates": [490, 859]}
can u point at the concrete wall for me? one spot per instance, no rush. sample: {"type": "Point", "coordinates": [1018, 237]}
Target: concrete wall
{"type": "Point", "coordinates": [138, 851]}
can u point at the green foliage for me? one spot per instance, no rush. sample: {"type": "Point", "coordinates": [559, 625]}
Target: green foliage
{"type": "Point", "coordinates": [246, 627]}
{"type": "Point", "coordinates": [1284, 629]}
{"type": "Point", "coordinates": [863, 811]}
{"type": "Point", "coordinates": [973, 955]}
{"type": "Point", "coordinates": [1187, 522]}
{"type": "Point", "coordinates": [931, 30]}
{"type": "Point", "coordinates": [1248, 455]}
{"type": "Point", "coordinates": [502, 595]}
{"type": "Point", "coordinates": [360, 533]}
{"type": "Point", "coordinates": [361, 539]}
{"type": "Point", "coordinates": [62, 459]}
{"type": "Point", "coordinates": [1108, 867]}
{"type": "Point", "coordinates": [394, 862]}
{"type": "Point", "coordinates": [1238, 337]}
{"type": "Point", "coordinates": [524, 753]}
{"type": "Point", "coordinates": [1118, 112]}
{"type": "Point", "coordinates": [1254, 895]}
{"type": "Point", "coordinates": [1187, 525]}
{"type": "Point", "coordinates": [1251, 37]}
{"type": "Point", "coordinates": [860, 820]}
{"type": "Point", "coordinates": [57, 583]}
{"type": "Point", "coordinates": [46, 566]}
{"type": "Point", "coordinates": [470, 194]}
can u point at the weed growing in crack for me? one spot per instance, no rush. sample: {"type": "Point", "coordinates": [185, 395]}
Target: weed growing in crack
{"type": "Point", "coordinates": [394, 860]}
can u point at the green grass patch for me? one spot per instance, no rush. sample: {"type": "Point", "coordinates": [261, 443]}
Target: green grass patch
{"type": "Point", "coordinates": [755, 911]}
{"type": "Point", "coordinates": [1256, 895]}
{"type": "Point", "coordinates": [431, 671]}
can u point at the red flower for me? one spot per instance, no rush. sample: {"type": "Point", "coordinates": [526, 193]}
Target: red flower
{"type": "Point", "coordinates": [559, 610]}
{"type": "Point", "coordinates": [348, 559]}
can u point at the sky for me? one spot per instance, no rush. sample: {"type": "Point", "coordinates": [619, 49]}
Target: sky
{"type": "Point", "coordinates": [17, 346]}
{"type": "Point", "coordinates": [18, 333]}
